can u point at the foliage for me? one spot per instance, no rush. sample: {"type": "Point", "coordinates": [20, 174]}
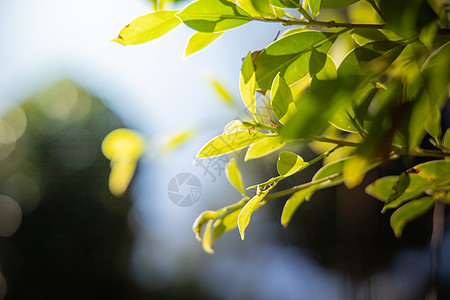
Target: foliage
{"type": "Point", "coordinates": [382, 98]}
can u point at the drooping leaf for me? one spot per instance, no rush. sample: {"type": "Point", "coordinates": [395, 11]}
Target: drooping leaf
{"type": "Point", "coordinates": [248, 84]}
{"type": "Point", "coordinates": [290, 57]}
{"type": "Point", "coordinates": [289, 163]}
{"type": "Point", "coordinates": [226, 143]}
{"type": "Point", "coordinates": [382, 188]}
{"type": "Point", "coordinates": [281, 99]}
{"type": "Point", "coordinates": [293, 203]}
{"type": "Point", "coordinates": [208, 238]}
{"type": "Point", "coordinates": [409, 212]}
{"type": "Point", "coordinates": [247, 211]}
{"type": "Point", "coordinates": [234, 176]}
{"type": "Point", "coordinates": [355, 169]}
{"type": "Point", "coordinates": [213, 15]}
{"type": "Point", "coordinates": [264, 147]}
{"type": "Point", "coordinates": [433, 124]}
{"type": "Point", "coordinates": [201, 220]}
{"type": "Point", "coordinates": [199, 41]}
{"type": "Point", "coordinates": [446, 139]}
{"type": "Point", "coordinates": [315, 6]}
{"type": "Point", "coordinates": [148, 27]}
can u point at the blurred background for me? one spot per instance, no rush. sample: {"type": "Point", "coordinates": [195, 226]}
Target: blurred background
{"type": "Point", "coordinates": [64, 86]}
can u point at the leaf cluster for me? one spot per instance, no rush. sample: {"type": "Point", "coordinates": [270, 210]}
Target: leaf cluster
{"type": "Point", "coordinates": [380, 101]}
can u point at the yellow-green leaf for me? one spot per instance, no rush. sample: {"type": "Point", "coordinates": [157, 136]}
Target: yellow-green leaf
{"type": "Point", "coordinates": [281, 100]}
{"type": "Point", "coordinates": [248, 84]}
{"type": "Point", "coordinates": [201, 220]}
{"type": "Point", "coordinates": [208, 238]}
{"type": "Point", "coordinates": [264, 147]}
{"type": "Point", "coordinates": [213, 15]}
{"type": "Point", "coordinates": [354, 170]}
{"type": "Point", "coordinates": [226, 143]}
{"type": "Point", "coordinates": [221, 91]}
{"type": "Point", "coordinates": [289, 163]}
{"type": "Point", "coordinates": [199, 41]}
{"type": "Point", "coordinates": [234, 176]}
{"type": "Point", "coordinates": [247, 211]}
{"type": "Point", "coordinates": [293, 203]}
{"type": "Point", "coordinates": [148, 27]}
{"type": "Point", "coordinates": [409, 212]}
{"type": "Point", "coordinates": [225, 224]}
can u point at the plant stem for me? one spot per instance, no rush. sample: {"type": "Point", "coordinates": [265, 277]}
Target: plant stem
{"type": "Point", "coordinates": [299, 187]}
{"type": "Point", "coordinates": [313, 23]}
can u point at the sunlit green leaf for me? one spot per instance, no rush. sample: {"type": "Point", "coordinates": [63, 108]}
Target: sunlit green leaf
{"type": "Point", "coordinates": [285, 3]}
{"type": "Point", "coordinates": [221, 91]}
{"type": "Point", "coordinates": [315, 6]}
{"type": "Point", "coordinates": [248, 84]}
{"type": "Point", "coordinates": [281, 99]}
{"type": "Point", "coordinates": [367, 35]}
{"type": "Point", "coordinates": [256, 8]}
{"type": "Point", "coordinates": [226, 143]}
{"type": "Point", "coordinates": [247, 211]}
{"type": "Point", "coordinates": [213, 15]}
{"type": "Point", "coordinates": [225, 224]}
{"type": "Point", "coordinates": [264, 147]}
{"type": "Point", "coordinates": [234, 176]}
{"type": "Point", "coordinates": [199, 41]}
{"type": "Point", "coordinates": [201, 220]}
{"type": "Point", "coordinates": [148, 27]}
{"type": "Point", "coordinates": [423, 177]}
{"type": "Point", "coordinates": [208, 238]}
{"type": "Point", "coordinates": [355, 169]}
{"type": "Point", "coordinates": [342, 121]}
{"type": "Point", "coordinates": [123, 147]}
{"type": "Point", "coordinates": [293, 203]}
{"type": "Point", "coordinates": [290, 57]}
{"type": "Point", "coordinates": [368, 60]}
{"type": "Point", "coordinates": [433, 123]}
{"type": "Point", "coordinates": [289, 163]}
{"type": "Point", "coordinates": [409, 212]}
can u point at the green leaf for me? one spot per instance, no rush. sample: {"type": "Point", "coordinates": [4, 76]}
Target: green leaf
{"type": "Point", "coordinates": [446, 139]}
{"type": "Point", "coordinates": [336, 167]}
{"type": "Point", "coordinates": [208, 238]}
{"type": "Point", "coordinates": [368, 61]}
{"type": "Point", "coordinates": [342, 121]}
{"type": "Point", "coordinates": [433, 123]}
{"type": "Point", "coordinates": [316, 108]}
{"type": "Point", "coordinates": [226, 143]}
{"type": "Point", "coordinates": [285, 3]}
{"type": "Point", "coordinates": [427, 176]}
{"type": "Point", "coordinates": [367, 35]}
{"type": "Point", "coordinates": [234, 176]}
{"type": "Point", "coordinates": [289, 163]}
{"type": "Point", "coordinates": [256, 8]}
{"type": "Point", "coordinates": [290, 57]}
{"type": "Point", "coordinates": [264, 147]}
{"type": "Point", "coordinates": [148, 27]}
{"type": "Point", "coordinates": [248, 84]}
{"type": "Point", "coordinates": [199, 41]}
{"type": "Point", "coordinates": [315, 6]}
{"type": "Point", "coordinates": [355, 169]}
{"type": "Point", "coordinates": [213, 15]}
{"type": "Point", "coordinates": [221, 91]}
{"type": "Point", "coordinates": [225, 224]}
{"type": "Point", "coordinates": [293, 203]}
{"type": "Point", "coordinates": [247, 211]}
{"type": "Point", "coordinates": [409, 212]}
{"type": "Point", "coordinates": [337, 3]}
{"type": "Point", "coordinates": [281, 100]}
{"type": "Point", "coordinates": [201, 220]}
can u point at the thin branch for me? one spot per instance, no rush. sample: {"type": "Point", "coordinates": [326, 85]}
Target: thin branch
{"type": "Point", "coordinates": [313, 23]}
